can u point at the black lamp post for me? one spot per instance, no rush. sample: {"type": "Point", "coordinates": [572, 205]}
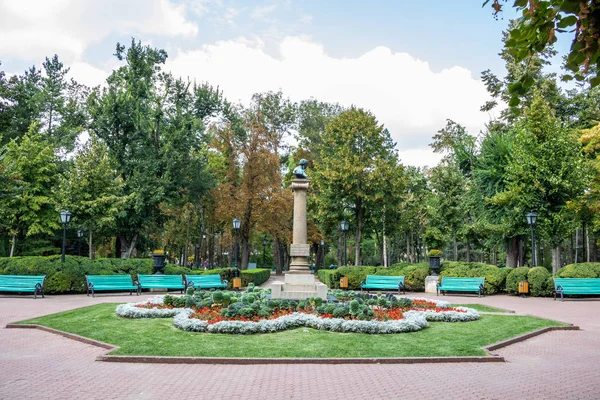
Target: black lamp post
{"type": "Point", "coordinates": [205, 247]}
{"type": "Point", "coordinates": [197, 256]}
{"type": "Point", "coordinates": [531, 220]}
{"type": "Point", "coordinates": [65, 217]}
{"type": "Point", "coordinates": [264, 252]}
{"type": "Point", "coordinates": [79, 236]}
{"type": "Point", "coordinates": [322, 254]}
{"type": "Point", "coordinates": [344, 227]}
{"type": "Point", "coordinates": [236, 227]}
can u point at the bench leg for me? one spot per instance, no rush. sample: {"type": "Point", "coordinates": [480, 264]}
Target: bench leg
{"type": "Point", "coordinates": [562, 297]}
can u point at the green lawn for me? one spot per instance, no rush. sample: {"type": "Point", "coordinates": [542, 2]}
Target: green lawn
{"type": "Point", "coordinates": [481, 307]}
{"type": "Point", "coordinates": [158, 337]}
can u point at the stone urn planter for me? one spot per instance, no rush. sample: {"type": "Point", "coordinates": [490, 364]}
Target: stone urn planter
{"type": "Point", "coordinates": [434, 260]}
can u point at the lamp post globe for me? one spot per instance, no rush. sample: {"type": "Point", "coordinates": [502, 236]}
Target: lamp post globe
{"type": "Point", "coordinates": [344, 225]}
{"type": "Point", "coordinates": [65, 217]}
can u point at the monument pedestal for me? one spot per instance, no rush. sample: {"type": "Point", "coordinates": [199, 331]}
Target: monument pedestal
{"type": "Point", "coordinates": [431, 283]}
{"type": "Point", "coordinates": [299, 283]}
{"type": "Point", "coordinates": [298, 287]}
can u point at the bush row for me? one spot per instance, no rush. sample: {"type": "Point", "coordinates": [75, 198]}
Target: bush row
{"type": "Point", "coordinates": [414, 275]}
{"type": "Point", "coordinates": [495, 278]}
{"type": "Point", "coordinates": [69, 277]}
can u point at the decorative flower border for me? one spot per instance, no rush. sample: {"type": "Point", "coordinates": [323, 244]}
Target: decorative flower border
{"type": "Point", "coordinates": [413, 320]}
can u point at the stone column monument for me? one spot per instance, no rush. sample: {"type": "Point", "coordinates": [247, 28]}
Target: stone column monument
{"type": "Point", "coordinates": [299, 282]}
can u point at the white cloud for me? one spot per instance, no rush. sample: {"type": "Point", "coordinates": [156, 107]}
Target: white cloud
{"type": "Point", "coordinates": [87, 74]}
{"type": "Point", "coordinates": [402, 92]}
{"type": "Point", "coordinates": [67, 27]}
{"type": "Point", "coordinates": [262, 11]}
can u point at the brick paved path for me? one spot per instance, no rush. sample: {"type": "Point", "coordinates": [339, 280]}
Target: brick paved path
{"type": "Point", "coordinates": [40, 365]}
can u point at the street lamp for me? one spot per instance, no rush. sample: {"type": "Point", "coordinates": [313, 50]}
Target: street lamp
{"type": "Point", "coordinates": [205, 246]}
{"type": "Point", "coordinates": [236, 227]}
{"type": "Point", "coordinates": [322, 254]}
{"type": "Point", "coordinates": [344, 227]}
{"type": "Point", "coordinates": [79, 236]}
{"type": "Point", "coordinates": [264, 252]}
{"type": "Point", "coordinates": [531, 219]}
{"type": "Point", "coordinates": [197, 256]}
{"type": "Point", "coordinates": [65, 217]}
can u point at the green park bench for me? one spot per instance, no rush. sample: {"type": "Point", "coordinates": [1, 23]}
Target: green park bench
{"type": "Point", "coordinates": [162, 282]}
{"type": "Point", "coordinates": [564, 286]}
{"type": "Point", "coordinates": [383, 282]}
{"type": "Point", "coordinates": [212, 281]}
{"type": "Point", "coordinates": [23, 284]}
{"type": "Point", "coordinates": [452, 284]}
{"type": "Point", "coordinates": [111, 282]}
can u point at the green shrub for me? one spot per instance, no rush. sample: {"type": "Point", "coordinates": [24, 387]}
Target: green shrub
{"type": "Point", "coordinates": [514, 277]}
{"type": "Point", "coordinates": [495, 278]}
{"type": "Point", "coordinates": [330, 277]}
{"type": "Point", "coordinates": [580, 270]}
{"type": "Point", "coordinates": [69, 277]}
{"type": "Point", "coordinates": [256, 276]}
{"type": "Point", "coordinates": [538, 279]}
{"type": "Point", "coordinates": [356, 275]}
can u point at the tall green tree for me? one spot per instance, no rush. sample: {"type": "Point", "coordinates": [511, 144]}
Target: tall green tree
{"type": "Point", "coordinates": [357, 159]}
{"type": "Point", "coordinates": [92, 190]}
{"type": "Point", "coordinates": [545, 173]}
{"type": "Point", "coordinates": [28, 207]}
{"type": "Point", "coordinates": [449, 188]}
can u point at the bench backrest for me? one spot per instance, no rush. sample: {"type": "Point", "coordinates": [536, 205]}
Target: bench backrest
{"type": "Point", "coordinates": [109, 280]}
{"type": "Point", "coordinates": [462, 282]}
{"type": "Point", "coordinates": [150, 280]}
{"type": "Point", "coordinates": [204, 279]}
{"type": "Point", "coordinates": [384, 280]}
{"type": "Point", "coordinates": [577, 284]}
{"type": "Point", "coordinates": [23, 281]}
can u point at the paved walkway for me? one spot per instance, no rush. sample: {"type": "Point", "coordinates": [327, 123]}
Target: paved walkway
{"type": "Point", "coordinates": [556, 365]}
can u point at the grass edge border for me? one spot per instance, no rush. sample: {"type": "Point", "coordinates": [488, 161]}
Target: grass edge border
{"type": "Point", "coordinates": [252, 361]}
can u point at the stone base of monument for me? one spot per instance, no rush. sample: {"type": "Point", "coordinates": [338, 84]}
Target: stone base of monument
{"type": "Point", "coordinates": [431, 283]}
{"type": "Point", "coordinates": [298, 287]}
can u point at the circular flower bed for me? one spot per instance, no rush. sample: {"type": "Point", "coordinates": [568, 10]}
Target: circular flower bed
{"type": "Point", "coordinates": [255, 312]}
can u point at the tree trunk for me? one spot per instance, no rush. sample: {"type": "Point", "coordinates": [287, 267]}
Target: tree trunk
{"type": "Point", "coordinates": [587, 244]}
{"type": "Point", "coordinates": [127, 247]}
{"type": "Point", "coordinates": [594, 248]}
{"type": "Point", "coordinates": [521, 248]}
{"type": "Point", "coordinates": [408, 248]}
{"type": "Point", "coordinates": [385, 259]}
{"type": "Point", "coordinates": [245, 253]}
{"type": "Point", "coordinates": [358, 236]}
{"type": "Point", "coordinates": [555, 259]}
{"type": "Point", "coordinates": [277, 259]}
{"type": "Point", "coordinates": [91, 246]}
{"type": "Point", "coordinates": [187, 241]}
{"type": "Point", "coordinates": [12, 245]}
{"type": "Point", "coordinates": [468, 248]}
{"type": "Point", "coordinates": [512, 252]}
{"type": "Point", "coordinates": [454, 245]}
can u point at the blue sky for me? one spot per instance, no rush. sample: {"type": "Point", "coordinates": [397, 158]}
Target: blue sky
{"type": "Point", "coordinates": [412, 63]}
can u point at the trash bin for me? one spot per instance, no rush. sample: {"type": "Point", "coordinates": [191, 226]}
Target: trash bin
{"type": "Point", "coordinates": [344, 283]}
{"type": "Point", "coordinates": [523, 288]}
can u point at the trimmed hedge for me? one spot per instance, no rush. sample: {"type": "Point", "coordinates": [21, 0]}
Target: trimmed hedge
{"type": "Point", "coordinates": [514, 277]}
{"type": "Point", "coordinates": [414, 275]}
{"type": "Point", "coordinates": [330, 277]}
{"type": "Point", "coordinates": [495, 278]}
{"type": "Point", "coordinates": [256, 276]}
{"type": "Point", "coordinates": [70, 276]}
{"type": "Point", "coordinates": [539, 278]}
{"type": "Point", "coordinates": [580, 270]}
{"type": "Point", "coordinates": [540, 282]}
